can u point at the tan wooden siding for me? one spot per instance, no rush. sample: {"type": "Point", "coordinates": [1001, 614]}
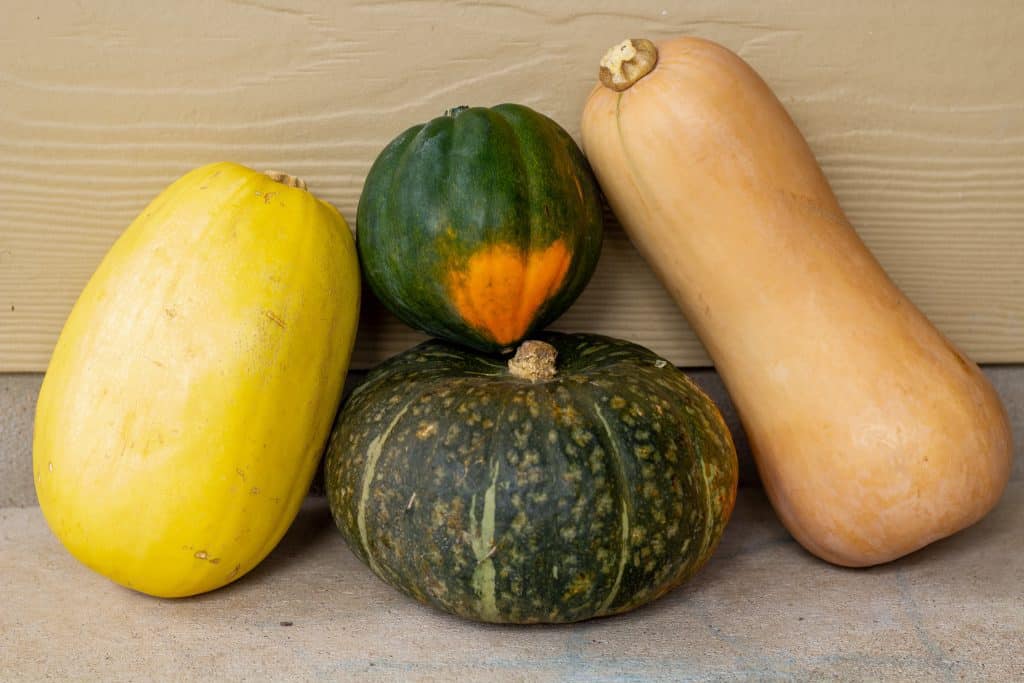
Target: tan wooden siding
{"type": "Point", "coordinates": [915, 110]}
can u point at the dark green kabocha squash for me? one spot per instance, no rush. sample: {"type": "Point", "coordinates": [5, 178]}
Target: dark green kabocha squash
{"type": "Point", "coordinates": [533, 491]}
{"type": "Point", "coordinates": [480, 226]}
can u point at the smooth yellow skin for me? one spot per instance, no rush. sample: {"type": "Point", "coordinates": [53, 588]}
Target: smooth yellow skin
{"type": "Point", "coordinates": [193, 387]}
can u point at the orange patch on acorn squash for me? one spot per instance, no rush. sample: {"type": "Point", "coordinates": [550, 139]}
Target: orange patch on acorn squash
{"type": "Point", "coordinates": [501, 288]}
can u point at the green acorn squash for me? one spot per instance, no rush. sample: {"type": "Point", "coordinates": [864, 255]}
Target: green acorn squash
{"type": "Point", "coordinates": [531, 493]}
{"type": "Point", "coordinates": [480, 226]}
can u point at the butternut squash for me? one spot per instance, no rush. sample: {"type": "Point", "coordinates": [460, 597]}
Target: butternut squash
{"type": "Point", "coordinates": [873, 434]}
{"type": "Point", "coordinates": [192, 389]}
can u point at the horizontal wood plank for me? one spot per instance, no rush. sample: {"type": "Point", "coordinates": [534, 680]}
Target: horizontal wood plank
{"type": "Point", "coordinates": [915, 111]}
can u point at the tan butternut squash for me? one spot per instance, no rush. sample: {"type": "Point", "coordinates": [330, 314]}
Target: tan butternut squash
{"type": "Point", "coordinates": [873, 434]}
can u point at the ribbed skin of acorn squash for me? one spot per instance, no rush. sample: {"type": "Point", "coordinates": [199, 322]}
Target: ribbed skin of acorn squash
{"type": "Point", "coordinates": [480, 226]}
{"type": "Point", "coordinates": [194, 384]}
{"type": "Point", "coordinates": [503, 500]}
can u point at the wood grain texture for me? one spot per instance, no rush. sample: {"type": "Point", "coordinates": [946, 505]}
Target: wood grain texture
{"type": "Point", "coordinates": [914, 109]}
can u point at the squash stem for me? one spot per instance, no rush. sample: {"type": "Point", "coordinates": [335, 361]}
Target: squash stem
{"type": "Point", "coordinates": [626, 63]}
{"type": "Point", "coordinates": [285, 179]}
{"type": "Point", "coordinates": [534, 360]}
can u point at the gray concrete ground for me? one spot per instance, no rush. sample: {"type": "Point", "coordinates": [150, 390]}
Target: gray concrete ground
{"type": "Point", "coordinates": [762, 609]}
{"type": "Point", "coordinates": [18, 395]}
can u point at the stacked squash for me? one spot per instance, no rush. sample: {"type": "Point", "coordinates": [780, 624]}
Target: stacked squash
{"type": "Point", "coordinates": [582, 477]}
{"type": "Point", "coordinates": [498, 471]}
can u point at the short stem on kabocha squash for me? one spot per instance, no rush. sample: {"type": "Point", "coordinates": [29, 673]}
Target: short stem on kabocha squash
{"type": "Point", "coordinates": [628, 62]}
{"type": "Point", "coordinates": [534, 360]}
{"type": "Point", "coordinates": [285, 179]}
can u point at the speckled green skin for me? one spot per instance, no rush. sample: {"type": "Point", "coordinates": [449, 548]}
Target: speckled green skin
{"type": "Point", "coordinates": [474, 177]}
{"type": "Point", "coordinates": [504, 500]}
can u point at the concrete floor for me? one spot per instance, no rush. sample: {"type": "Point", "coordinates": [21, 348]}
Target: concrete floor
{"type": "Point", "coordinates": [762, 609]}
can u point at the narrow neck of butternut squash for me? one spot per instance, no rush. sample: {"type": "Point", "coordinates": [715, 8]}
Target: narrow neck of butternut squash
{"type": "Point", "coordinates": [626, 63]}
